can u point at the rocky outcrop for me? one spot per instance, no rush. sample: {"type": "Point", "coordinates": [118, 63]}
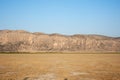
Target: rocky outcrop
{"type": "Point", "coordinates": [23, 41]}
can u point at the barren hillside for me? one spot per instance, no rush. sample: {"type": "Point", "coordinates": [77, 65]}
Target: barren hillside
{"type": "Point", "coordinates": [23, 41]}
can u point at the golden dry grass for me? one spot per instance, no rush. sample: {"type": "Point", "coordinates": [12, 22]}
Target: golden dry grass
{"type": "Point", "coordinates": [59, 67]}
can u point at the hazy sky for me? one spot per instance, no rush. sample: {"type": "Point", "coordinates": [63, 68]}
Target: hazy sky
{"type": "Point", "coordinates": [62, 16]}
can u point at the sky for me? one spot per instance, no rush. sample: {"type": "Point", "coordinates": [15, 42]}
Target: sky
{"type": "Point", "coordinates": [62, 16]}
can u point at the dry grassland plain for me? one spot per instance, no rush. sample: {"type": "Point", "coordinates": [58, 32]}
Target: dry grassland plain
{"type": "Point", "coordinates": [59, 66]}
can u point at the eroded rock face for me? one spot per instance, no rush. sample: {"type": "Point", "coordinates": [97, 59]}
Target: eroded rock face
{"type": "Point", "coordinates": [23, 41]}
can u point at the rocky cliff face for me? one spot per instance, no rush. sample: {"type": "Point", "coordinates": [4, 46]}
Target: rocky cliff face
{"type": "Point", "coordinates": [23, 41]}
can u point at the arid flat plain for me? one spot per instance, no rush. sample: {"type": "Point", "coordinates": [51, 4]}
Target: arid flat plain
{"type": "Point", "coordinates": [59, 66]}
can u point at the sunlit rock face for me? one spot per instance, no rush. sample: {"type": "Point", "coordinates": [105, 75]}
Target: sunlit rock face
{"type": "Point", "coordinates": [23, 41]}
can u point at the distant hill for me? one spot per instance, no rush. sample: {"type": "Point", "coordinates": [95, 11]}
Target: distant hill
{"type": "Point", "coordinates": [23, 41]}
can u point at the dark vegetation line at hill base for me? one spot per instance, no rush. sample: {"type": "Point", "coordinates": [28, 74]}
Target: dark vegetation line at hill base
{"type": "Point", "coordinates": [59, 52]}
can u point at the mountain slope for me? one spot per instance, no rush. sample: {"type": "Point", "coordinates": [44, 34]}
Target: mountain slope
{"type": "Point", "coordinates": [23, 41]}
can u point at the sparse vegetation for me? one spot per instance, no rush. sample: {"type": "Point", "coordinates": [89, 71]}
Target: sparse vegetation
{"type": "Point", "coordinates": [59, 66]}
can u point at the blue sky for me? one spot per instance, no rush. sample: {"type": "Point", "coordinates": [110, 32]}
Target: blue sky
{"type": "Point", "coordinates": [62, 16]}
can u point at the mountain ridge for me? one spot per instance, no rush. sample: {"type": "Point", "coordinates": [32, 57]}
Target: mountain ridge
{"type": "Point", "coordinates": [24, 41]}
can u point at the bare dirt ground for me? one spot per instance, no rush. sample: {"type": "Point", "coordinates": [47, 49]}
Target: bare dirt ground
{"type": "Point", "coordinates": [59, 67]}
